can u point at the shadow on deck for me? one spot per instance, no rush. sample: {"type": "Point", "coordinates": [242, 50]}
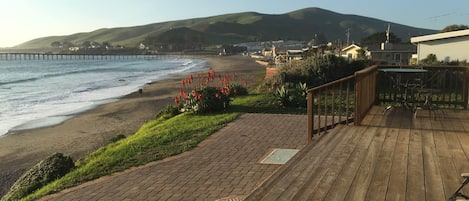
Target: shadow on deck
{"type": "Point", "coordinates": [390, 156]}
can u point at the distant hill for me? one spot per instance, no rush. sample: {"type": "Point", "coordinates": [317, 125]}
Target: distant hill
{"type": "Point", "coordinates": [241, 27]}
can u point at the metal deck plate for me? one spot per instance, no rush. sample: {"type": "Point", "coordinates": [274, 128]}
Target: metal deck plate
{"type": "Point", "coordinates": [279, 156]}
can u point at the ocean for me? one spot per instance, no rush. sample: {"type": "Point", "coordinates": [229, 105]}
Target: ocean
{"type": "Point", "coordinates": [38, 93]}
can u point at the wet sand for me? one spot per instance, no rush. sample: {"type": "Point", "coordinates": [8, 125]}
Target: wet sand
{"type": "Point", "coordinates": [92, 129]}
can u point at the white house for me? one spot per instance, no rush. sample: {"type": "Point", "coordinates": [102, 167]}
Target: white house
{"type": "Point", "coordinates": [448, 46]}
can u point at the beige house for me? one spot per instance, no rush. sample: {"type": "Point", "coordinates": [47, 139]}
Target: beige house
{"type": "Point", "coordinates": [386, 53]}
{"type": "Point", "coordinates": [350, 52]}
{"type": "Point", "coordinates": [448, 46]}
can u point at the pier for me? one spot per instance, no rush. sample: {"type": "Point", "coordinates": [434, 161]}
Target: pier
{"type": "Point", "coordinates": [51, 56]}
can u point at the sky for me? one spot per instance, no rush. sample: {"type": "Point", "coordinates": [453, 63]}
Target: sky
{"type": "Point", "coordinates": [24, 20]}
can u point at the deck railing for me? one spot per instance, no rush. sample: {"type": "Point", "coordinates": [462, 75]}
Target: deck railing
{"type": "Point", "coordinates": [349, 99]}
{"type": "Point", "coordinates": [342, 101]}
{"type": "Point", "coordinates": [448, 86]}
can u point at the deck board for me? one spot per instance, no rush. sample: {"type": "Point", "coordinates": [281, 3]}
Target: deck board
{"type": "Point", "coordinates": [365, 174]}
{"type": "Point", "coordinates": [398, 182]}
{"type": "Point", "coordinates": [318, 187]}
{"type": "Point", "coordinates": [345, 178]}
{"type": "Point", "coordinates": [415, 172]}
{"type": "Point", "coordinates": [391, 156]}
{"type": "Point", "coordinates": [382, 171]}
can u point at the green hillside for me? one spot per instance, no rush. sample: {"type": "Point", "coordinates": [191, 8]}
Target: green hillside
{"type": "Point", "coordinates": [240, 27]}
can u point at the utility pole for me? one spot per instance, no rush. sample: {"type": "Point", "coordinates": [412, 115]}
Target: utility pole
{"type": "Point", "coordinates": [388, 31]}
{"type": "Point", "coordinates": [347, 33]}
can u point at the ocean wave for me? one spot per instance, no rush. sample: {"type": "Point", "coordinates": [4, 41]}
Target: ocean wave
{"type": "Point", "coordinates": [63, 90]}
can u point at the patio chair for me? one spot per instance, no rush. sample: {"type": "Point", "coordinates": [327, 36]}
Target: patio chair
{"type": "Point", "coordinates": [458, 193]}
{"type": "Point", "coordinates": [430, 89]}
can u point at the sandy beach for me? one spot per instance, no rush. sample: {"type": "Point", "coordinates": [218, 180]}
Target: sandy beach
{"type": "Point", "coordinates": [92, 129]}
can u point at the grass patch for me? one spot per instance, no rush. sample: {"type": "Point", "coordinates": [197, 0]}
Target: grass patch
{"type": "Point", "coordinates": [262, 103]}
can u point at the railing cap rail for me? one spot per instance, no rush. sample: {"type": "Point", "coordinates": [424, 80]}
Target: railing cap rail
{"type": "Point", "coordinates": [350, 77]}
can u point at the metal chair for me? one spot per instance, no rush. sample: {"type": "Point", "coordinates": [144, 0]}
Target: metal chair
{"type": "Point", "coordinates": [458, 193]}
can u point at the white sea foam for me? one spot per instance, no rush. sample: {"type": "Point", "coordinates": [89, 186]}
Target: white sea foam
{"type": "Point", "coordinates": [42, 93]}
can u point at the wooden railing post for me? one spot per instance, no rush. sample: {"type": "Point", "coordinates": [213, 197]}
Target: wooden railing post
{"type": "Point", "coordinates": [466, 88]}
{"type": "Point", "coordinates": [310, 116]}
{"type": "Point", "coordinates": [358, 104]}
{"type": "Point", "coordinates": [365, 92]}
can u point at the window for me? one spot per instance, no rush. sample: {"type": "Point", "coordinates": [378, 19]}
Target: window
{"type": "Point", "coordinates": [397, 57]}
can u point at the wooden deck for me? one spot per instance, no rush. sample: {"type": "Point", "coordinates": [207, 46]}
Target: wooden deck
{"type": "Point", "coordinates": [391, 156]}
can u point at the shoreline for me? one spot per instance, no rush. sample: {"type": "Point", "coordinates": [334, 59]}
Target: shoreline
{"type": "Point", "coordinates": [92, 129]}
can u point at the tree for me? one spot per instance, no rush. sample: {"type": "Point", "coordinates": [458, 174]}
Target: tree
{"type": "Point", "coordinates": [67, 44]}
{"type": "Point", "coordinates": [106, 45]}
{"type": "Point", "coordinates": [86, 44]}
{"type": "Point", "coordinates": [56, 44]}
{"type": "Point", "coordinates": [430, 59]}
{"type": "Point", "coordinates": [378, 38]}
{"type": "Point", "coordinates": [318, 39]}
{"type": "Point", "coordinates": [454, 27]}
{"type": "Point", "coordinates": [361, 54]}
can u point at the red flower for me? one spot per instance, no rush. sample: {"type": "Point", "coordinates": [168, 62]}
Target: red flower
{"type": "Point", "coordinates": [181, 92]}
{"type": "Point", "coordinates": [217, 95]}
{"type": "Point", "coordinates": [212, 72]}
{"type": "Point", "coordinates": [176, 100]}
{"type": "Point", "coordinates": [183, 83]}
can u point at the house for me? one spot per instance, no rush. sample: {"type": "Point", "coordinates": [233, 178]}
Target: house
{"type": "Point", "coordinates": [142, 47]}
{"type": "Point", "coordinates": [392, 54]}
{"type": "Point", "coordinates": [284, 54]}
{"type": "Point", "coordinates": [448, 46]}
{"type": "Point", "coordinates": [350, 52]}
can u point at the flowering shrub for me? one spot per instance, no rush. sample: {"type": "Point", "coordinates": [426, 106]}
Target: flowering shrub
{"type": "Point", "coordinates": [209, 92]}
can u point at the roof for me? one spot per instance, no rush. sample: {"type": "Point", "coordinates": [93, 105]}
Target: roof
{"type": "Point", "coordinates": [350, 47]}
{"type": "Point", "coordinates": [394, 48]}
{"type": "Point", "coordinates": [440, 36]}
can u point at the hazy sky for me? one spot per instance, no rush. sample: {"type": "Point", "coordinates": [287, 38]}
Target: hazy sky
{"type": "Point", "coordinates": [23, 20]}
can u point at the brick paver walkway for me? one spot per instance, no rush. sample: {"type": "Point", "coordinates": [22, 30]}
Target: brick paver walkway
{"type": "Point", "coordinates": [225, 166]}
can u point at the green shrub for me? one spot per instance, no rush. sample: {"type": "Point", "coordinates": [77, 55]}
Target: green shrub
{"type": "Point", "coordinates": [238, 90]}
{"type": "Point", "coordinates": [46, 171]}
{"type": "Point", "coordinates": [117, 138]}
{"type": "Point", "coordinates": [168, 111]}
{"type": "Point", "coordinates": [317, 70]}
{"type": "Point", "coordinates": [292, 95]}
